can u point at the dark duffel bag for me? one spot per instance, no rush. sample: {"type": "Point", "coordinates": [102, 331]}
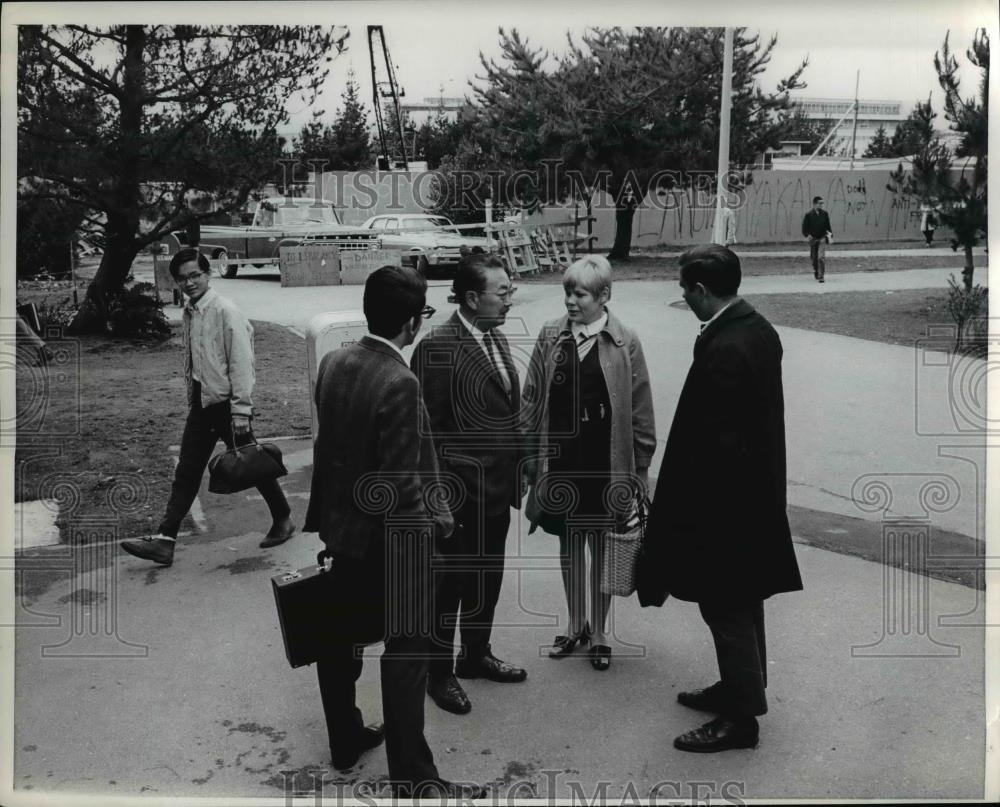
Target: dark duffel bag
{"type": "Point", "coordinates": [245, 467]}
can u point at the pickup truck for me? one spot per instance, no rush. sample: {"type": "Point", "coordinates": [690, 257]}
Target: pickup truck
{"type": "Point", "coordinates": [280, 221]}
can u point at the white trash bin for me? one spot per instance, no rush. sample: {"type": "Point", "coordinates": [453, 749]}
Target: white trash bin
{"type": "Point", "coordinates": [327, 332]}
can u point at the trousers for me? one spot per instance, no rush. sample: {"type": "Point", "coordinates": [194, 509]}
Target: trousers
{"type": "Point", "coordinates": [468, 574]}
{"type": "Point", "coordinates": [738, 632]}
{"type": "Point", "coordinates": [203, 429]}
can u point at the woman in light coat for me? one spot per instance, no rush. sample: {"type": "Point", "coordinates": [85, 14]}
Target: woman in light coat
{"type": "Point", "coordinates": [588, 408]}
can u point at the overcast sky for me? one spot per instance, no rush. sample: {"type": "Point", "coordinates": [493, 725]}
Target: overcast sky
{"type": "Point", "coordinates": [436, 45]}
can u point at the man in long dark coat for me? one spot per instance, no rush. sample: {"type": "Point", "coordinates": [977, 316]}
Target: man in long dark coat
{"type": "Point", "coordinates": [718, 532]}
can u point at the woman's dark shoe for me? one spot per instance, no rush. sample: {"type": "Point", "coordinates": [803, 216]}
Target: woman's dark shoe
{"type": "Point", "coordinates": [600, 657]}
{"type": "Point", "coordinates": [565, 645]}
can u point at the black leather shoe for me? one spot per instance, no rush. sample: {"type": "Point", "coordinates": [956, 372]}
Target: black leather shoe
{"type": "Point", "coordinates": [720, 734]}
{"type": "Point", "coordinates": [448, 694]}
{"type": "Point", "coordinates": [565, 645]}
{"type": "Point", "coordinates": [600, 657]}
{"type": "Point", "coordinates": [369, 738]}
{"type": "Point", "coordinates": [158, 550]}
{"type": "Point", "coordinates": [709, 699]}
{"type": "Point", "coordinates": [280, 532]}
{"type": "Point", "coordinates": [441, 790]}
{"type": "Point", "coordinates": [491, 668]}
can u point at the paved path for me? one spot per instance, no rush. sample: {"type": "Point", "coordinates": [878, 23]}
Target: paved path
{"type": "Point", "coordinates": [173, 682]}
{"type": "Point", "coordinates": [943, 251]}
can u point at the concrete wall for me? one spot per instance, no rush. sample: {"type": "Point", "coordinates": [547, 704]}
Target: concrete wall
{"type": "Point", "coordinates": [861, 207]}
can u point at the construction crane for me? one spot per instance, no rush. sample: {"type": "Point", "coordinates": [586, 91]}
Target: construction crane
{"type": "Point", "coordinates": [386, 89]}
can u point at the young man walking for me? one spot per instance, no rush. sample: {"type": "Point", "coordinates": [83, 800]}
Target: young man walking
{"type": "Point", "coordinates": [219, 372]}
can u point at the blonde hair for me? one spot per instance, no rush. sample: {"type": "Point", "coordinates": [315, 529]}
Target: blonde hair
{"type": "Point", "coordinates": [592, 272]}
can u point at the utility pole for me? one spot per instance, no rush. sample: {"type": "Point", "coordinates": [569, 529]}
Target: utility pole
{"type": "Point", "coordinates": [854, 131]}
{"type": "Point", "coordinates": [719, 228]}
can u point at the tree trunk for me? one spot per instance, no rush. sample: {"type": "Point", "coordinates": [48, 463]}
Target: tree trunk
{"type": "Point", "coordinates": [623, 233]}
{"type": "Point", "coordinates": [967, 271]}
{"type": "Point", "coordinates": [116, 262]}
{"type": "Point", "coordinates": [123, 218]}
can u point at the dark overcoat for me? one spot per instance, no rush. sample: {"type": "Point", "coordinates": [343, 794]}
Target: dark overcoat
{"type": "Point", "coordinates": [718, 529]}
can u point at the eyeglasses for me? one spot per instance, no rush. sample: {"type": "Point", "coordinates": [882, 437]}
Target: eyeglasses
{"type": "Point", "coordinates": [182, 279]}
{"type": "Point", "coordinates": [427, 312]}
{"type": "Point", "coordinates": [503, 295]}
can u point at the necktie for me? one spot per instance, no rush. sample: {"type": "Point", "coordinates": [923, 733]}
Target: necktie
{"type": "Point", "coordinates": [494, 350]}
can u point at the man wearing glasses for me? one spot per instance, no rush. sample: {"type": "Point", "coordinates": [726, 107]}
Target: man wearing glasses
{"type": "Point", "coordinates": [371, 502]}
{"type": "Point", "coordinates": [473, 393]}
{"type": "Point", "coordinates": [219, 372]}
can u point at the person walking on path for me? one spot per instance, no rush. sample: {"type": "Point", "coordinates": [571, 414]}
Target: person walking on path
{"type": "Point", "coordinates": [718, 532]}
{"type": "Point", "coordinates": [219, 373]}
{"type": "Point", "coordinates": [372, 502]}
{"type": "Point", "coordinates": [928, 223]}
{"type": "Point", "coordinates": [473, 396]}
{"type": "Point", "coordinates": [589, 416]}
{"type": "Point", "coordinates": [818, 232]}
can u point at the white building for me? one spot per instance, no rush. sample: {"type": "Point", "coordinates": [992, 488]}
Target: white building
{"type": "Point", "coordinates": [871, 115]}
{"type": "Point", "coordinates": [420, 112]}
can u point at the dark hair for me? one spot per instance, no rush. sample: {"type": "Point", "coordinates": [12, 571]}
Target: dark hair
{"type": "Point", "coordinates": [393, 296]}
{"type": "Point", "coordinates": [717, 268]}
{"type": "Point", "coordinates": [471, 273]}
{"type": "Point", "coordinates": [187, 255]}
{"type": "Point", "coordinates": [817, 199]}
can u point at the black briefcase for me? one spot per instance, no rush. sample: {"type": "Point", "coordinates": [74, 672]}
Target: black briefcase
{"type": "Point", "coordinates": [313, 612]}
{"type": "Point", "coordinates": [303, 599]}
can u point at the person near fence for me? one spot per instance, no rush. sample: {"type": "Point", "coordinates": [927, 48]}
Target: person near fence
{"type": "Point", "coordinates": [374, 505]}
{"type": "Point", "coordinates": [718, 532]}
{"type": "Point", "coordinates": [219, 373]}
{"type": "Point", "coordinates": [818, 233]}
{"type": "Point", "coordinates": [928, 223]}
{"type": "Point", "coordinates": [588, 410]}
{"type": "Point", "coordinates": [473, 395]}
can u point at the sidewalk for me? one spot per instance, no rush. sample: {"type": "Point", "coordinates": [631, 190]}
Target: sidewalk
{"type": "Point", "coordinates": [748, 251]}
{"type": "Point", "coordinates": [857, 709]}
{"type": "Point", "coordinates": [173, 681]}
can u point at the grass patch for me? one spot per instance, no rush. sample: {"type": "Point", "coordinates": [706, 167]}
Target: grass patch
{"type": "Point", "coordinates": [107, 410]}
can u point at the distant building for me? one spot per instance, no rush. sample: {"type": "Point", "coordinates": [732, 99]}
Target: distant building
{"type": "Point", "coordinates": [420, 112]}
{"type": "Point", "coordinates": [871, 115]}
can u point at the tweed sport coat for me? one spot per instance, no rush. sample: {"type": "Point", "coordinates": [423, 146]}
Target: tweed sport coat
{"type": "Point", "coordinates": [718, 529]}
{"type": "Point", "coordinates": [374, 457]}
{"type": "Point", "coordinates": [475, 421]}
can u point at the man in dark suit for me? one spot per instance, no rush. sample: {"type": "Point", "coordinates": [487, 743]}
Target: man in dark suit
{"type": "Point", "coordinates": [472, 392]}
{"type": "Point", "coordinates": [718, 532]}
{"type": "Point", "coordinates": [818, 233]}
{"type": "Point", "coordinates": [373, 465]}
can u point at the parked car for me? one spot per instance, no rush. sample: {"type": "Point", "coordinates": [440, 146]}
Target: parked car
{"type": "Point", "coordinates": [433, 241]}
{"type": "Point", "coordinates": [280, 221]}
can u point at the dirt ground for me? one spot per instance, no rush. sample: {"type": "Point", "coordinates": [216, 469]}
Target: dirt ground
{"type": "Point", "coordinates": [109, 408]}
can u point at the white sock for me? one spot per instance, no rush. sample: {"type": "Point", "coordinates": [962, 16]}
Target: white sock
{"type": "Point", "coordinates": [162, 537]}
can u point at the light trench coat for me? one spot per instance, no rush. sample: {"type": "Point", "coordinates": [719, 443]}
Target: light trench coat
{"type": "Point", "coordinates": [633, 431]}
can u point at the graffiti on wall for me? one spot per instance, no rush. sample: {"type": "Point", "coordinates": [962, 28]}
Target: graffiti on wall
{"type": "Point", "coordinates": [771, 207]}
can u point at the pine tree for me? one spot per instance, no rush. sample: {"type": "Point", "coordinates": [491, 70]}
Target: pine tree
{"type": "Point", "coordinates": [350, 137]}
{"type": "Point", "coordinates": [965, 208]}
{"type": "Point", "coordinates": [914, 133]}
{"type": "Point", "coordinates": [623, 104]}
{"type": "Point", "coordinates": [880, 145]}
{"type": "Point", "coordinates": [105, 112]}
